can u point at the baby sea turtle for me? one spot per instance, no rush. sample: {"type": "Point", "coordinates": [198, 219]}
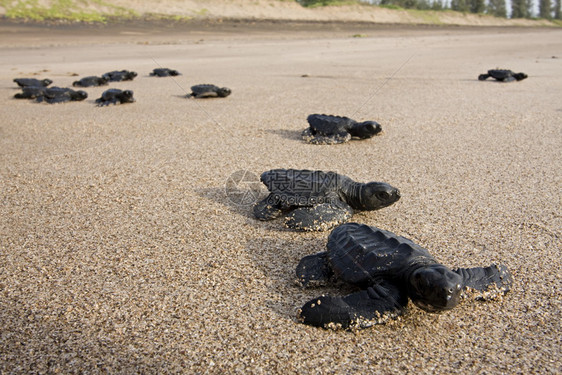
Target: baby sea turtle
{"type": "Point", "coordinates": [503, 75]}
{"type": "Point", "coordinates": [51, 94]}
{"type": "Point", "coordinates": [114, 96]}
{"type": "Point", "coordinates": [164, 72]}
{"type": "Point", "coordinates": [90, 81]}
{"type": "Point", "coordinates": [209, 91]}
{"type": "Point", "coordinates": [32, 82]}
{"type": "Point", "coordinates": [119, 75]}
{"type": "Point", "coordinates": [31, 92]}
{"type": "Point", "coordinates": [317, 200]}
{"type": "Point", "coordinates": [328, 129]}
{"type": "Point", "coordinates": [388, 269]}
{"type": "Point", "coordinates": [62, 95]}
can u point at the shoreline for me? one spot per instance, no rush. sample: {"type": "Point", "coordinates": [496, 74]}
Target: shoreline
{"type": "Point", "coordinates": [40, 33]}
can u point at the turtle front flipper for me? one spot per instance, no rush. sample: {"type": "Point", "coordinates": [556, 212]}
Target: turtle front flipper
{"type": "Point", "coordinates": [483, 77]}
{"type": "Point", "coordinates": [268, 209]}
{"type": "Point", "coordinates": [485, 283]}
{"type": "Point", "coordinates": [314, 270]}
{"type": "Point", "coordinates": [57, 99]}
{"type": "Point", "coordinates": [319, 217]}
{"type": "Point", "coordinates": [374, 305]}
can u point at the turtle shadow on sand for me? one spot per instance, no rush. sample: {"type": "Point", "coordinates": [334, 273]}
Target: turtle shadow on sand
{"type": "Point", "coordinates": [294, 135]}
{"type": "Point", "coordinates": [237, 204]}
{"type": "Point", "coordinates": [277, 258]}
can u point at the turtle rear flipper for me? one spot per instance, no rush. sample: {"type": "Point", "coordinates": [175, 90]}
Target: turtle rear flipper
{"type": "Point", "coordinates": [485, 283]}
{"type": "Point", "coordinates": [320, 217]}
{"type": "Point", "coordinates": [314, 270]}
{"type": "Point", "coordinates": [311, 136]}
{"type": "Point", "coordinates": [362, 309]}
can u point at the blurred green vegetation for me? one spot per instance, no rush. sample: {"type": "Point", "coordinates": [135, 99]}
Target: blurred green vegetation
{"type": "Point", "coordinates": [69, 10]}
{"type": "Point", "coordinates": [103, 11]}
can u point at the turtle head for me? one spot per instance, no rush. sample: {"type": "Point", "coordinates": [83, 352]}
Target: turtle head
{"type": "Point", "coordinates": [127, 97]}
{"type": "Point", "coordinates": [435, 288]}
{"type": "Point", "coordinates": [79, 95]}
{"type": "Point", "coordinates": [46, 82]}
{"type": "Point", "coordinates": [365, 129]}
{"type": "Point", "coordinates": [520, 76]}
{"type": "Point", "coordinates": [375, 195]}
{"type": "Point", "coordinates": [223, 92]}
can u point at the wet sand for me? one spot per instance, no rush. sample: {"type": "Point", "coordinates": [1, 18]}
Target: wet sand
{"type": "Point", "coordinates": [127, 247]}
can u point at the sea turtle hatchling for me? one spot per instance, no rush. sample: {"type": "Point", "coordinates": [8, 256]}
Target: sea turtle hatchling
{"type": "Point", "coordinates": [114, 96]}
{"type": "Point", "coordinates": [51, 95]}
{"type": "Point", "coordinates": [90, 81]}
{"type": "Point", "coordinates": [119, 75]}
{"type": "Point", "coordinates": [32, 82]}
{"type": "Point", "coordinates": [317, 200]}
{"type": "Point", "coordinates": [329, 129]}
{"type": "Point", "coordinates": [164, 72]}
{"type": "Point", "coordinates": [209, 91]}
{"type": "Point", "coordinates": [30, 92]}
{"type": "Point", "coordinates": [56, 94]}
{"type": "Point", "coordinates": [388, 269]}
{"type": "Point", "coordinates": [502, 75]}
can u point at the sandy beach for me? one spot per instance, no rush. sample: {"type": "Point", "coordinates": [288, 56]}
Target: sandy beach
{"type": "Point", "coordinates": [127, 240]}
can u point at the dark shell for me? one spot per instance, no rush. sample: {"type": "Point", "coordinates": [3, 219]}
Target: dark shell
{"type": "Point", "coordinates": [500, 74]}
{"type": "Point", "coordinates": [30, 92]}
{"type": "Point", "coordinates": [359, 254]}
{"type": "Point", "coordinates": [164, 72]}
{"type": "Point", "coordinates": [209, 90]}
{"type": "Point", "coordinates": [330, 129]}
{"type": "Point", "coordinates": [503, 75]}
{"type": "Point", "coordinates": [298, 187]}
{"type": "Point", "coordinates": [119, 75]}
{"type": "Point", "coordinates": [90, 81]}
{"type": "Point", "coordinates": [114, 96]}
{"type": "Point", "coordinates": [329, 124]}
{"type": "Point", "coordinates": [61, 95]}
{"type": "Point", "coordinates": [32, 82]}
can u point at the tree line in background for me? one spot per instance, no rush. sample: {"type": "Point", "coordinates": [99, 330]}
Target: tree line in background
{"type": "Point", "coordinates": [548, 9]}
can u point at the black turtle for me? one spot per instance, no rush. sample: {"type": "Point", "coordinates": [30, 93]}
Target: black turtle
{"type": "Point", "coordinates": [209, 91]}
{"type": "Point", "coordinates": [119, 75]}
{"type": "Point", "coordinates": [164, 72]}
{"type": "Point", "coordinates": [61, 95]}
{"type": "Point", "coordinates": [388, 269]}
{"type": "Point", "coordinates": [328, 129]}
{"type": "Point", "coordinates": [114, 96]}
{"type": "Point", "coordinates": [503, 75]}
{"type": "Point", "coordinates": [32, 82]}
{"type": "Point", "coordinates": [31, 92]}
{"type": "Point", "coordinates": [51, 94]}
{"type": "Point", "coordinates": [90, 81]}
{"type": "Point", "coordinates": [318, 201]}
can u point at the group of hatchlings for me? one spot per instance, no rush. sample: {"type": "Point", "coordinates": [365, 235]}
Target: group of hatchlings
{"type": "Point", "coordinates": [387, 270]}
{"type": "Point", "coordinates": [39, 91]}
